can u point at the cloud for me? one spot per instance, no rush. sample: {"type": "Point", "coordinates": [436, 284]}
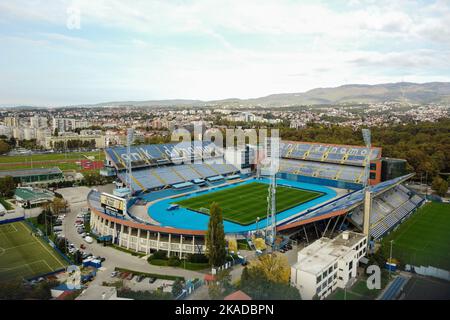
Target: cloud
{"type": "Point", "coordinates": [217, 49]}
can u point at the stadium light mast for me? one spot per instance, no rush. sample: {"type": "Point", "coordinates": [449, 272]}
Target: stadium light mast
{"type": "Point", "coordinates": [367, 195]}
{"type": "Point", "coordinates": [368, 141]}
{"type": "Point", "coordinates": [273, 150]}
{"type": "Point", "coordinates": [130, 137]}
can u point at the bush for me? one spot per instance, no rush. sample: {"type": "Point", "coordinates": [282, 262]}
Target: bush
{"type": "Point", "coordinates": [161, 255]}
{"type": "Point", "coordinates": [197, 258]}
{"type": "Point", "coordinates": [173, 261]}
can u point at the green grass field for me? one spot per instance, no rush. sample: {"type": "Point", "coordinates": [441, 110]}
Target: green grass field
{"type": "Point", "coordinates": [23, 255]}
{"type": "Point", "coordinates": [424, 239]}
{"type": "Point", "coordinates": [244, 203]}
{"type": "Point", "coordinates": [64, 161]}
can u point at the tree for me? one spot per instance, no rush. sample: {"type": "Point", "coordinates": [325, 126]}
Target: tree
{"type": "Point", "coordinates": [58, 205]}
{"type": "Point", "coordinates": [7, 186]}
{"type": "Point", "coordinates": [221, 286]}
{"type": "Point", "coordinates": [215, 237]}
{"type": "Point", "coordinates": [268, 278]}
{"type": "Point", "coordinates": [440, 186]}
{"type": "Point", "coordinates": [4, 147]}
{"type": "Point", "coordinates": [274, 267]}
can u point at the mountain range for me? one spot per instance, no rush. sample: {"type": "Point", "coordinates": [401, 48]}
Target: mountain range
{"type": "Point", "coordinates": [407, 92]}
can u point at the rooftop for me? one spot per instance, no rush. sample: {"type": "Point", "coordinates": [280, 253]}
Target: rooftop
{"type": "Point", "coordinates": [29, 194]}
{"type": "Point", "coordinates": [29, 172]}
{"type": "Point", "coordinates": [323, 252]}
{"type": "Point", "coordinates": [96, 292]}
{"type": "Point", "coordinates": [238, 295]}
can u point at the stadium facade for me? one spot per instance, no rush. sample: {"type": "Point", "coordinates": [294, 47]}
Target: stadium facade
{"type": "Point", "coordinates": [162, 173]}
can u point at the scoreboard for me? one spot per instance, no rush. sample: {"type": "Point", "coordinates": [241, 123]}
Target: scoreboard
{"type": "Point", "coordinates": [113, 203]}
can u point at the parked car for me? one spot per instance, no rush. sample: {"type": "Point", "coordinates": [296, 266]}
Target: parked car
{"type": "Point", "coordinates": [151, 280]}
{"type": "Point", "coordinates": [82, 246]}
{"type": "Point", "coordinates": [139, 278]}
{"type": "Point", "coordinates": [130, 276]}
{"type": "Point", "coordinates": [88, 239]}
{"type": "Point", "coordinates": [114, 274]}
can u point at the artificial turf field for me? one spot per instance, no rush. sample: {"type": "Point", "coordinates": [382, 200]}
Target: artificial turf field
{"type": "Point", "coordinates": [424, 239]}
{"type": "Point", "coordinates": [243, 204]}
{"type": "Point", "coordinates": [23, 255]}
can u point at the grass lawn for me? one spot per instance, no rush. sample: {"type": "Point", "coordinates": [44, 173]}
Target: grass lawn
{"type": "Point", "coordinates": [424, 239]}
{"type": "Point", "coordinates": [183, 265]}
{"type": "Point", "coordinates": [244, 203]}
{"type": "Point", "coordinates": [23, 255]}
{"type": "Point", "coordinates": [64, 161]}
{"type": "Point", "coordinates": [360, 291]}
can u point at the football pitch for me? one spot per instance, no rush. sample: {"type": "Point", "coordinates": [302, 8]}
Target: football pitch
{"type": "Point", "coordinates": [23, 255]}
{"type": "Point", "coordinates": [245, 203]}
{"type": "Point", "coordinates": [424, 239]}
{"type": "Point", "coordinates": [64, 161]}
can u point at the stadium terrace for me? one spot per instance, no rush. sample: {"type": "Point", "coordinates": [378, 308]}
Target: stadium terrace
{"type": "Point", "coordinates": [319, 190]}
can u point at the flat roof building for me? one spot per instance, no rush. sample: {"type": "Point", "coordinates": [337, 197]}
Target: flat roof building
{"type": "Point", "coordinates": [30, 198]}
{"type": "Point", "coordinates": [34, 176]}
{"type": "Point", "coordinates": [328, 264]}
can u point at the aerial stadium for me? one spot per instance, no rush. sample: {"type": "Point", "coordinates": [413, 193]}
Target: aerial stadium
{"type": "Point", "coordinates": [164, 192]}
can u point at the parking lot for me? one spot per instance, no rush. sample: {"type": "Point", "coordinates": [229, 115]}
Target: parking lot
{"type": "Point", "coordinates": [113, 258]}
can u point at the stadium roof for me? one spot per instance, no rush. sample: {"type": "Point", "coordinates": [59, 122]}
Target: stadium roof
{"type": "Point", "coordinates": [341, 205]}
{"type": "Point", "coordinates": [29, 172]}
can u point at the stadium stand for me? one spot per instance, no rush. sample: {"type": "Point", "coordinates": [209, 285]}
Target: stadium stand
{"type": "Point", "coordinates": [392, 202]}
{"type": "Point", "coordinates": [351, 155]}
{"type": "Point", "coordinates": [154, 155]}
{"type": "Point", "coordinates": [333, 162]}
{"type": "Point", "coordinates": [388, 209]}
{"type": "Point", "coordinates": [155, 178]}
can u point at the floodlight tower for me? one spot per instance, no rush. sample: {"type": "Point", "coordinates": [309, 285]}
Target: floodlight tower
{"type": "Point", "coordinates": [367, 140]}
{"type": "Point", "coordinates": [273, 150]}
{"type": "Point", "coordinates": [130, 137]}
{"type": "Point", "coordinates": [367, 193]}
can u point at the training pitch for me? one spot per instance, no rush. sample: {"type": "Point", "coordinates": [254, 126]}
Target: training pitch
{"type": "Point", "coordinates": [244, 204]}
{"type": "Point", "coordinates": [424, 239]}
{"type": "Point", "coordinates": [23, 255]}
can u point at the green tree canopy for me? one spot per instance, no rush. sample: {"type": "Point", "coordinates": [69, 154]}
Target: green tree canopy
{"type": "Point", "coordinates": [215, 237]}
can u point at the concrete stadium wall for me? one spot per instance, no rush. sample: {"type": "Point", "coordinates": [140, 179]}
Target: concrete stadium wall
{"type": "Point", "coordinates": [139, 239]}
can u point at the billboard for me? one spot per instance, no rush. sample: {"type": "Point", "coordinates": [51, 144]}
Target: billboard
{"type": "Point", "coordinates": [113, 203]}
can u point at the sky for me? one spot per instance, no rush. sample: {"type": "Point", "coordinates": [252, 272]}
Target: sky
{"type": "Point", "coordinates": [66, 52]}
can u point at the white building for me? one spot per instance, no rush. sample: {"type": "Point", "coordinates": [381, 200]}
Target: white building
{"type": "Point", "coordinates": [241, 158]}
{"type": "Point", "coordinates": [38, 122]}
{"type": "Point", "coordinates": [66, 124]}
{"type": "Point", "coordinates": [328, 264]}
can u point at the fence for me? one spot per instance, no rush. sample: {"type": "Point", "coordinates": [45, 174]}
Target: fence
{"type": "Point", "coordinates": [46, 239]}
{"type": "Point", "coordinates": [430, 271]}
{"type": "Point", "coordinates": [12, 216]}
